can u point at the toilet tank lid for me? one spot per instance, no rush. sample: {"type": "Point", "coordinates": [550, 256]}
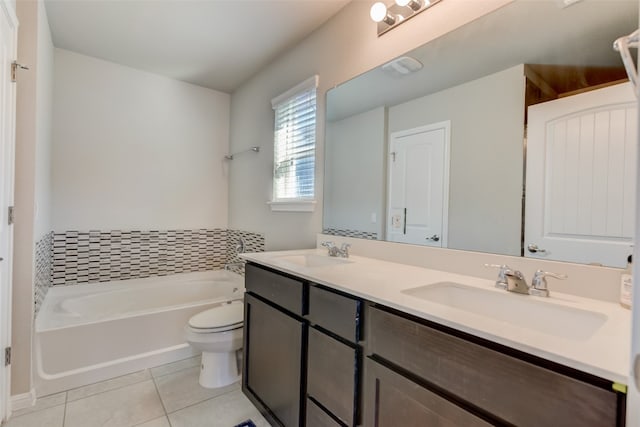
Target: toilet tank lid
{"type": "Point", "coordinates": [219, 316]}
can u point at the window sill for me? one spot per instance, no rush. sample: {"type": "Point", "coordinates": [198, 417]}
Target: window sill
{"type": "Point", "coordinates": [293, 206]}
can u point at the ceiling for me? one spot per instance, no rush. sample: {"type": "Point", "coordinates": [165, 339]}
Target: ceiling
{"type": "Point", "coordinates": [217, 44]}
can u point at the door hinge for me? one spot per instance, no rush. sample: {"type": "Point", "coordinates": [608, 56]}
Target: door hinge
{"type": "Point", "coordinates": [14, 70]}
{"type": "Point", "coordinates": [11, 215]}
{"type": "Point", "coordinates": [7, 356]}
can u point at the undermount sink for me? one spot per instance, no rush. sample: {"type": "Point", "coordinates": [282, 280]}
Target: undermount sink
{"type": "Point", "coordinates": [519, 310]}
{"type": "Point", "coordinates": [313, 260]}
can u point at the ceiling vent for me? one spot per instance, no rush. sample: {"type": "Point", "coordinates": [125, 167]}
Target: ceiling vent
{"type": "Point", "coordinates": [402, 66]}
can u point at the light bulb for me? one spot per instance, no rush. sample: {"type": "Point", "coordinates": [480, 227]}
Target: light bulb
{"type": "Point", "coordinates": [378, 11]}
{"type": "Point", "coordinates": [413, 4]}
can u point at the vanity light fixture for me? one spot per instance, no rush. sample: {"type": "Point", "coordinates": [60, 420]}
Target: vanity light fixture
{"type": "Point", "coordinates": [379, 13]}
{"type": "Point", "coordinates": [391, 16]}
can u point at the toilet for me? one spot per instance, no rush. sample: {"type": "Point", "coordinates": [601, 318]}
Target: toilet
{"type": "Point", "coordinates": [217, 332]}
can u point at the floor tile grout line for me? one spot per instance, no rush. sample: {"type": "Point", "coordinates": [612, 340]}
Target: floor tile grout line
{"type": "Point", "coordinates": [147, 421]}
{"type": "Point", "coordinates": [202, 401]}
{"type": "Point", "coordinates": [164, 409]}
{"type": "Point", "coordinates": [111, 389]}
{"type": "Point", "coordinates": [13, 416]}
{"type": "Point", "coordinates": [174, 372]}
{"type": "Point", "coordinates": [64, 414]}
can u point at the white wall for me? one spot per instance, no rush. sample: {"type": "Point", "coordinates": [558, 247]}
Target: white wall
{"type": "Point", "coordinates": [134, 150]}
{"type": "Point", "coordinates": [485, 183]}
{"type": "Point", "coordinates": [44, 106]}
{"type": "Point", "coordinates": [344, 47]}
{"type": "Point", "coordinates": [355, 172]}
{"type": "Point", "coordinates": [32, 188]}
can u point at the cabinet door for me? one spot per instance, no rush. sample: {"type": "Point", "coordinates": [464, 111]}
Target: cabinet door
{"type": "Point", "coordinates": [331, 375]}
{"type": "Point", "coordinates": [273, 360]}
{"type": "Point", "coordinates": [316, 417]}
{"type": "Point", "coordinates": [392, 400]}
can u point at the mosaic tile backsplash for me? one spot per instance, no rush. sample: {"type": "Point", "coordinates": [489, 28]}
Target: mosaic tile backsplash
{"type": "Point", "coordinates": [102, 256]}
{"type": "Point", "coordinates": [44, 253]}
{"type": "Point", "coordinates": [351, 233]}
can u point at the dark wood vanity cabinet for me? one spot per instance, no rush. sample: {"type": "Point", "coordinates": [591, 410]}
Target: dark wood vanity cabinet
{"type": "Point", "coordinates": [274, 346]}
{"type": "Point", "coordinates": [415, 367]}
{"type": "Point", "coordinates": [334, 357]}
{"type": "Point", "coordinates": [310, 361]}
{"type": "Point", "coordinates": [302, 361]}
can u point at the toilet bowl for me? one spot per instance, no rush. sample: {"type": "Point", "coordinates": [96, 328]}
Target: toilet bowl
{"type": "Point", "coordinates": [217, 332]}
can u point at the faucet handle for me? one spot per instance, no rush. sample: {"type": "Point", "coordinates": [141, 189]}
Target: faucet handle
{"type": "Point", "coordinates": [327, 244]}
{"type": "Point", "coordinates": [539, 282]}
{"type": "Point", "coordinates": [344, 250]}
{"type": "Point", "coordinates": [501, 281]}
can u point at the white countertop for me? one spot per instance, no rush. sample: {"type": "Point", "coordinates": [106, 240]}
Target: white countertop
{"type": "Point", "coordinates": [605, 353]}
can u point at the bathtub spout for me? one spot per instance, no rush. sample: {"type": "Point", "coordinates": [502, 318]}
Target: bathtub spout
{"type": "Point", "coordinates": [229, 265]}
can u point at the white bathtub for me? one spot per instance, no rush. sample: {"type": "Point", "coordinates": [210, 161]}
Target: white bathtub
{"type": "Point", "coordinates": [88, 333]}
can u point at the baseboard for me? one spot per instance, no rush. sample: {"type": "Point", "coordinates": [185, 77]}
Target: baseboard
{"type": "Point", "coordinates": [23, 401]}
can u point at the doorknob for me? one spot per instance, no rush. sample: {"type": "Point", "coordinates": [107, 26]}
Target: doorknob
{"type": "Point", "coordinates": [533, 248]}
{"type": "Point", "coordinates": [435, 238]}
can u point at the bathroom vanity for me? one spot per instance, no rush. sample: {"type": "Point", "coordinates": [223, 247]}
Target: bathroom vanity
{"type": "Point", "coordinates": [327, 345]}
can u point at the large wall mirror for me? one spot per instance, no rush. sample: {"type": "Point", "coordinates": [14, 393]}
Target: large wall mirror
{"type": "Point", "coordinates": [514, 134]}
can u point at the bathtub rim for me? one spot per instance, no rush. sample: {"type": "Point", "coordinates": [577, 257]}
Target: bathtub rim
{"type": "Point", "coordinates": [68, 291]}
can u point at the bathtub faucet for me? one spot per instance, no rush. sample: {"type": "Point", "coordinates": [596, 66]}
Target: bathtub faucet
{"type": "Point", "coordinates": [240, 246]}
{"type": "Point", "coordinates": [228, 265]}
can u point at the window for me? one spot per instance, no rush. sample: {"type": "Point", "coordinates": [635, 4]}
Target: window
{"type": "Point", "coordinates": [295, 148]}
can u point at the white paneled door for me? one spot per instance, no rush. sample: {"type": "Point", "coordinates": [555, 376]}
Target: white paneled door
{"type": "Point", "coordinates": [581, 185]}
{"type": "Point", "coordinates": [418, 182]}
{"type": "Point", "coordinates": [8, 38]}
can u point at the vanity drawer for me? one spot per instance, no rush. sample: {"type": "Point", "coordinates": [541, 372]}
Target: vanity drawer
{"type": "Point", "coordinates": [335, 312]}
{"type": "Point", "coordinates": [511, 390]}
{"type": "Point", "coordinates": [282, 290]}
{"type": "Point", "coordinates": [331, 375]}
{"type": "Point", "coordinates": [316, 417]}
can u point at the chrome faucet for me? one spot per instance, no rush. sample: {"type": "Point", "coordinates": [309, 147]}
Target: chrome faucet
{"type": "Point", "coordinates": [514, 281]}
{"type": "Point", "coordinates": [342, 251]}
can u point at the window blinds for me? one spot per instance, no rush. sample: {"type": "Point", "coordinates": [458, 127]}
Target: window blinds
{"type": "Point", "coordinates": [295, 142]}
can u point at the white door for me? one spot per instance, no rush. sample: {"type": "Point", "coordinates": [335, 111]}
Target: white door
{"type": "Point", "coordinates": [418, 182]}
{"type": "Point", "coordinates": [581, 169]}
{"type": "Point", "coordinates": [8, 38]}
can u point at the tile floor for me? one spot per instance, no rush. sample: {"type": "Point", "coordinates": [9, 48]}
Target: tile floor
{"type": "Point", "coordinates": [165, 396]}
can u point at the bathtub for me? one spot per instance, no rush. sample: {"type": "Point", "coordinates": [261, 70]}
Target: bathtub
{"type": "Point", "coordinates": [92, 332]}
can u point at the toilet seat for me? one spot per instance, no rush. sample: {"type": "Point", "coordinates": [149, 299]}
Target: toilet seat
{"type": "Point", "coordinates": [222, 318]}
